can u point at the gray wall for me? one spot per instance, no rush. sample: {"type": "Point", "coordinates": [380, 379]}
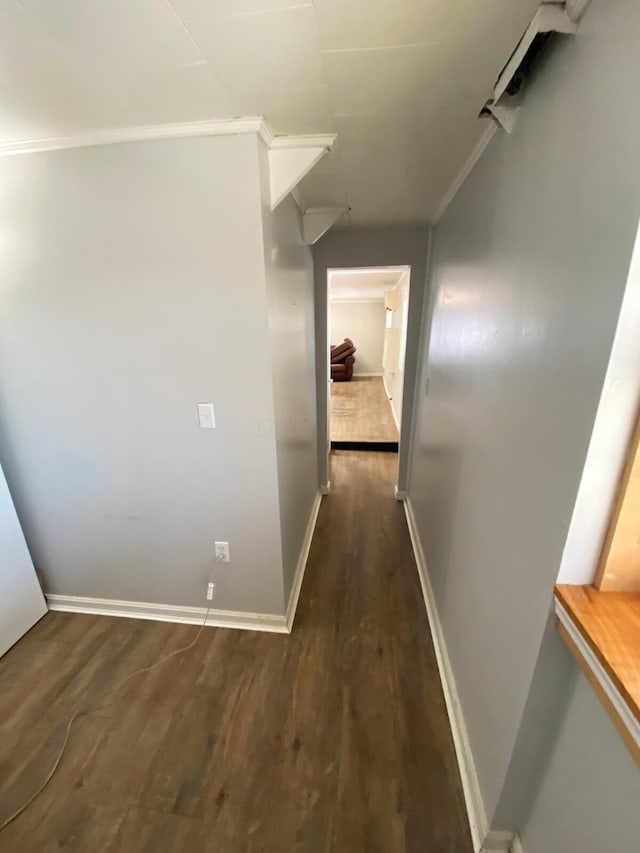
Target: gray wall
{"type": "Point", "coordinates": [588, 801]}
{"type": "Point", "coordinates": [367, 247]}
{"type": "Point", "coordinates": [528, 270]}
{"type": "Point", "coordinates": [363, 322]}
{"type": "Point", "coordinates": [132, 287]}
{"type": "Point", "coordinates": [289, 275]}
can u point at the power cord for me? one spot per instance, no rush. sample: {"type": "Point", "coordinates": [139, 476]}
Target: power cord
{"type": "Point", "coordinates": [87, 712]}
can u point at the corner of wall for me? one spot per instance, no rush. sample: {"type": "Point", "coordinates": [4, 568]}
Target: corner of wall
{"type": "Point", "coordinates": [288, 273]}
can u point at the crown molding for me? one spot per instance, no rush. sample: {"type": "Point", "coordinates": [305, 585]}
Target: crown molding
{"type": "Point", "coordinates": [146, 133]}
{"type": "Point", "coordinates": [266, 134]}
{"type": "Point", "coordinates": [346, 300]}
{"type": "Point", "coordinates": [179, 130]}
{"type": "Point", "coordinates": [465, 171]}
{"type": "Point", "coordinates": [315, 140]}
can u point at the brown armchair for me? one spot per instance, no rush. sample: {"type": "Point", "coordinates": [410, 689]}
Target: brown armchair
{"type": "Point", "coordinates": [342, 361]}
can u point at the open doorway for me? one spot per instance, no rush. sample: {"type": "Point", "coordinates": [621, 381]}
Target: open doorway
{"type": "Point", "coordinates": [367, 314]}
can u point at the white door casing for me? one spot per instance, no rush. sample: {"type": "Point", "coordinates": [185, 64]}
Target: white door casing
{"type": "Point", "coordinates": [21, 600]}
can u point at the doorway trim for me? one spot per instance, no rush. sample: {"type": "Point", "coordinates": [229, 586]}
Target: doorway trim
{"type": "Point", "coordinates": [403, 245]}
{"type": "Point", "coordinates": [408, 381]}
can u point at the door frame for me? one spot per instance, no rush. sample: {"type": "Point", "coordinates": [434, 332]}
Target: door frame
{"type": "Point", "coordinates": [407, 383]}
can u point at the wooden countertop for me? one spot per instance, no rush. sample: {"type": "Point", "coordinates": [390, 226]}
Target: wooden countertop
{"type": "Point", "coordinates": [610, 625]}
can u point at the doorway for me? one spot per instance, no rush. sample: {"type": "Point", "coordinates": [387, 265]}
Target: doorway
{"type": "Point", "coordinates": [367, 315]}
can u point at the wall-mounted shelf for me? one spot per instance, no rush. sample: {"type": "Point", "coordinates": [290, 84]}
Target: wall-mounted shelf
{"type": "Point", "coordinates": [602, 631]}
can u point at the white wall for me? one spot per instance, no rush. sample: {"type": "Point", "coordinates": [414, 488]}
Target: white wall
{"type": "Point", "coordinates": [363, 322]}
{"type": "Point", "coordinates": [289, 275]}
{"type": "Point", "coordinates": [132, 287]}
{"type": "Point", "coordinates": [529, 266]}
{"type": "Point", "coordinates": [394, 380]}
{"type": "Point", "coordinates": [21, 601]}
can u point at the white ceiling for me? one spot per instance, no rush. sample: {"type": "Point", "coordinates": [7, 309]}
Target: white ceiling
{"type": "Point", "coordinates": [400, 81]}
{"type": "Point", "coordinates": [366, 283]}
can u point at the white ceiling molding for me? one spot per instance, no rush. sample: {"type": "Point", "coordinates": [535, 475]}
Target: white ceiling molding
{"type": "Point", "coordinates": [291, 158]}
{"type": "Point", "coordinates": [316, 221]}
{"type": "Point", "coordinates": [222, 127]}
{"type": "Point", "coordinates": [152, 64]}
{"type": "Point", "coordinates": [464, 172]}
{"type": "Point", "coordinates": [308, 140]}
{"type": "Point", "coordinates": [351, 300]}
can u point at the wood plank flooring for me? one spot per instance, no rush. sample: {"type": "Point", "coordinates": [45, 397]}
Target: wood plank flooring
{"type": "Point", "coordinates": [361, 411]}
{"type": "Point", "coordinates": [334, 739]}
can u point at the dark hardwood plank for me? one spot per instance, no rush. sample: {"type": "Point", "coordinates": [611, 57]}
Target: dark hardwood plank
{"type": "Point", "coordinates": [334, 739]}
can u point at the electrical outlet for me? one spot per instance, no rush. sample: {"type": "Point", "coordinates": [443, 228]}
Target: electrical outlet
{"type": "Point", "coordinates": [222, 552]}
{"type": "Point", "coordinates": [211, 590]}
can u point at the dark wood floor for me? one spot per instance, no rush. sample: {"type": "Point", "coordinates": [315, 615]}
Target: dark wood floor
{"type": "Point", "coordinates": [332, 739]}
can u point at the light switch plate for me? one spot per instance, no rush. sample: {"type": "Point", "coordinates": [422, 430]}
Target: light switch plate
{"type": "Point", "coordinates": [206, 417]}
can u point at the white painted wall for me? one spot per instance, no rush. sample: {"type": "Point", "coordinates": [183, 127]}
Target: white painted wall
{"type": "Point", "coordinates": [394, 380]}
{"type": "Point", "coordinates": [132, 287]}
{"type": "Point", "coordinates": [21, 600]}
{"type": "Point", "coordinates": [363, 322]}
{"type": "Point", "coordinates": [528, 271]}
{"type": "Point", "coordinates": [290, 301]}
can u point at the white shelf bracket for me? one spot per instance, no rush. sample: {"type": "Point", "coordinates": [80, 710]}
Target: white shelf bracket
{"type": "Point", "coordinates": [550, 17]}
{"type": "Point", "coordinates": [291, 158]}
{"type": "Point", "coordinates": [316, 221]}
{"type": "Point", "coordinates": [505, 112]}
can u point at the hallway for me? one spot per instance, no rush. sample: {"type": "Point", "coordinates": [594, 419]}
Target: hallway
{"type": "Point", "coordinates": [332, 739]}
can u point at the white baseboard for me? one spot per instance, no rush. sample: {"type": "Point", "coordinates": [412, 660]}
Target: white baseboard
{"type": "Point", "coordinates": [386, 387]}
{"type": "Point", "coordinates": [398, 494]}
{"type": "Point", "coordinates": [302, 562]}
{"type": "Point", "coordinates": [483, 840]}
{"type": "Point", "coordinates": [357, 375]}
{"type": "Point", "coordinates": [274, 622]}
{"type": "Point", "coordinates": [470, 785]}
{"type": "Point", "coordinates": [169, 613]}
{"type": "Point", "coordinates": [325, 489]}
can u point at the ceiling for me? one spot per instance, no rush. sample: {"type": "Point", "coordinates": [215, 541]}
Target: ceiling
{"type": "Point", "coordinates": [400, 81]}
{"type": "Point", "coordinates": [366, 283]}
